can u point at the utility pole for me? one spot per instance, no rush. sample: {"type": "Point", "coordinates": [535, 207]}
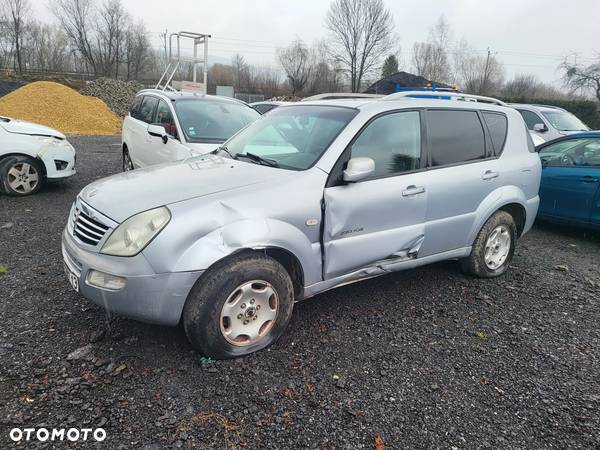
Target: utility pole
{"type": "Point", "coordinates": [484, 81]}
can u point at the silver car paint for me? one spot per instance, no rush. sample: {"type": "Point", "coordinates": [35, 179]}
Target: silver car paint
{"type": "Point", "coordinates": [220, 206]}
{"type": "Point", "coordinates": [551, 133]}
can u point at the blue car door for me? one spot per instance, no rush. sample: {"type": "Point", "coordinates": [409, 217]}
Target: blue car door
{"type": "Point", "coordinates": [571, 180]}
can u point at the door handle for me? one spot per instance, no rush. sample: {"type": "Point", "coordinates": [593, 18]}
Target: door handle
{"type": "Point", "coordinates": [489, 175]}
{"type": "Point", "coordinates": [413, 190]}
{"type": "Point", "coordinates": [588, 179]}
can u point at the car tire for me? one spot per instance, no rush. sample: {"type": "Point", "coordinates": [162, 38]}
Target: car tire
{"type": "Point", "coordinates": [127, 162]}
{"type": "Point", "coordinates": [493, 248]}
{"type": "Point", "coordinates": [20, 175]}
{"type": "Point", "coordinates": [239, 306]}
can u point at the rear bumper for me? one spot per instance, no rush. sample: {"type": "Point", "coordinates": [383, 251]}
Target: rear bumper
{"type": "Point", "coordinates": [147, 296]}
{"type": "Point", "coordinates": [532, 209]}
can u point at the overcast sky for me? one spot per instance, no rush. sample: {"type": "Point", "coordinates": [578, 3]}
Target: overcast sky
{"type": "Point", "coordinates": [529, 36]}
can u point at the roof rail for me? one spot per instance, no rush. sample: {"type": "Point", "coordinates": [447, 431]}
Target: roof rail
{"type": "Point", "coordinates": [547, 106]}
{"type": "Point", "coordinates": [444, 95]}
{"type": "Point", "coordinates": [340, 96]}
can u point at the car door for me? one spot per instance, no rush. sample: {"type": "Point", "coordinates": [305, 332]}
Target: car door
{"type": "Point", "coordinates": [379, 219]}
{"type": "Point", "coordinates": [531, 119]}
{"type": "Point", "coordinates": [570, 180]}
{"type": "Point", "coordinates": [172, 149]}
{"type": "Point", "coordinates": [462, 173]}
{"type": "Point", "coordinates": [140, 151]}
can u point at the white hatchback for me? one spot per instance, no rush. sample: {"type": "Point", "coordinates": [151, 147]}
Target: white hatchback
{"type": "Point", "coordinates": [170, 126]}
{"type": "Point", "coordinates": [30, 154]}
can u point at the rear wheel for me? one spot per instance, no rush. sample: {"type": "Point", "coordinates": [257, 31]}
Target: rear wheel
{"type": "Point", "coordinates": [20, 175]}
{"type": "Point", "coordinates": [240, 306]}
{"type": "Point", "coordinates": [127, 163]}
{"type": "Point", "coordinates": [493, 248]}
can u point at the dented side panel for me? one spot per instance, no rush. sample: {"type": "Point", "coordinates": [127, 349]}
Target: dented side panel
{"type": "Point", "coordinates": [373, 221]}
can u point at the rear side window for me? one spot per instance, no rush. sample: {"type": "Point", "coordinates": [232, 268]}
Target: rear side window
{"type": "Point", "coordinates": [497, 125]}
{"type": "Point", "coordinates": [455, 137]}
{"type": "Point", "coordinates": [135, 107]}
{"type": "Point", "coordinates": [147, 109]}
{"type": "Point", "coordinates": [530, 118]}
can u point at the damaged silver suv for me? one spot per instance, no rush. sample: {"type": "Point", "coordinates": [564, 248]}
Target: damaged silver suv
{"type": "Point", "coordinates": [309, 197]}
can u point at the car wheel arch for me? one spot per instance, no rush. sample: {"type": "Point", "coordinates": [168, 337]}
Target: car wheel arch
{"type": "Point", "coordinates": [36, 157]}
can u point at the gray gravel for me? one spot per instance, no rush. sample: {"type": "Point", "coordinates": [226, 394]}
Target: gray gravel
{"type": "Point", "coordinates": [425, 358]}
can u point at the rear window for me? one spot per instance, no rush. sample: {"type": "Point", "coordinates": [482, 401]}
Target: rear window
{"type": "Point", "coordinates": [135, 107]}
{"type": "Point", "coordinates": [455, 137]}
{"type": "Point", "coordinates": [497, 125]}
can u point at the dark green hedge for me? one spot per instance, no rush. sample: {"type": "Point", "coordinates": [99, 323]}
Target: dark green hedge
{"type": "Point", "coordinates": [587, 111]}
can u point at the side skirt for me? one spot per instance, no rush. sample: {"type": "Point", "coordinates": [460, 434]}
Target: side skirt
{"type": "Point", "coordinates": [381, 268]}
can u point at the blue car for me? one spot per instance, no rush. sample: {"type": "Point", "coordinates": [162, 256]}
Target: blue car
{"type": "Point", "coordinates": [570, 188]}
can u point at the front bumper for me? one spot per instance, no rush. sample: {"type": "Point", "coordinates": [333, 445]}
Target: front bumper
{"type": "Point", "coordinates": [54, 154]}
{"type": "Point", "coordinates": [147, 296]}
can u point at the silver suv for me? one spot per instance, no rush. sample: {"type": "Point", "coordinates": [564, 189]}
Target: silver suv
{"type": "Point", "coordinates": [309, 197]}
{"type": "Point", "coordinates": [549, 122]}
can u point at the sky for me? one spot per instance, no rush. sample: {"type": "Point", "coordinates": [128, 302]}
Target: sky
{"type": "Point", "coordinates": [528, 36]}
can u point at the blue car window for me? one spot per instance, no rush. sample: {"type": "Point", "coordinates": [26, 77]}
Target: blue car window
{"type": "Point", "coordinates": [572, 153]}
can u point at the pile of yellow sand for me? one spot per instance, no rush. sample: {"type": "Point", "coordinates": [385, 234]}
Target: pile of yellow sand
{"type": "Point", "coordinates": [60, 107]}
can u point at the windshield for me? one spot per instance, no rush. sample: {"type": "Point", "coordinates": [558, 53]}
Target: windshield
{"type": "Point", "coordinates": [564, 121]}
{"type": "Point", "coordinates": [212, 120]}
{"type": "Point", "coordinates": [294, 137]}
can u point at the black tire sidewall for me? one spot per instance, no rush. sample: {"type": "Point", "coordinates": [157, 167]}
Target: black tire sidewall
{"type": "Point", "coordinates": [8, 162]}
{"type": "Point", "coordinates": [201, 315]}
{"type": "Point", "coordinates": [127, 161]}
{"type": "Point", "coordinates": [498, 219]}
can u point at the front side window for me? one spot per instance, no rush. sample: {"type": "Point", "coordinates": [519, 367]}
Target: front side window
{"type": "Point", "coordinates": [531, 118]}
{"type": "Point", "coordinates": [147, 109]}
{"type": "Point", "coordinates": [294, 137]}
{"type": "Point", "coordinates": [455, 137]}
{"type": "Point", "coordinates": [212, 121]}
{"type": "Point", "coordinates": [572, 153]}
{"type": "Point", "coordinates": [564, 121]}
{"type": "Point", "coordinates": [164, 117]}
{"type": "Point", "coordinates": [393, 141]}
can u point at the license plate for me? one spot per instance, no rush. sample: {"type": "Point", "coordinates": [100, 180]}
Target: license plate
{"type": "Point", "coordinates": [73, 279]}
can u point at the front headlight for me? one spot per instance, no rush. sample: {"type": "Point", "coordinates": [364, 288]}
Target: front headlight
{"type": "Point", "coordinates": [135, 233]}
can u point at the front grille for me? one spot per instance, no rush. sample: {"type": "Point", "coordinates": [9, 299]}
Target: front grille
{"type": "Point", "coordinates": [86, 229]}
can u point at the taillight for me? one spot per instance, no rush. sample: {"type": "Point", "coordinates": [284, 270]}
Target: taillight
{"type": "Point", "coordinates": [126, 114]}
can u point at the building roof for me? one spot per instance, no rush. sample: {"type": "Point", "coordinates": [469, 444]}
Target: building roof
{"type": "Point", "coordinates": [388, 85]}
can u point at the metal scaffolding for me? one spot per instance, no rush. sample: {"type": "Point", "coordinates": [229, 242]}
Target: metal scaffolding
{"type": "Point", "coordinates": [200, 42]}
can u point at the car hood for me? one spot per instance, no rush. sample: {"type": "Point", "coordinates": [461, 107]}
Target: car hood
{"type": "Point", "coordinates": [121, 196]}
{"type": "Point", "coordinates": [202, 149]}
{"type": "Point", "coordinates": [22, 127]}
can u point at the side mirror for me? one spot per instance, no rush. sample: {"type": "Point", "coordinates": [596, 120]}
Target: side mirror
{"type": "Point", "coordinates": [159, 131]}
{"type": "Point", "coordinates": [540, 128]}
{"type": "Point", "coordinates": [358, 169]}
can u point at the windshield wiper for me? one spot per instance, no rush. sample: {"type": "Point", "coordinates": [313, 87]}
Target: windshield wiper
{"type": "Point", "coordinates": [259, 159]}
{"type": "Point", "coordinates": [223, 148]}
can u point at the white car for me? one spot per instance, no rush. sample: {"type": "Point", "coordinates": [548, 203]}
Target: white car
{"type": "Point", "coordinates": [30, 154]}
{"type": "Point", "coordinates": [167, 126]}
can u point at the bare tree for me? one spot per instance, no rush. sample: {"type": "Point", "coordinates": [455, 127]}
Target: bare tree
{"type": "Point", "coordinates": [521, 86]}
{"type": "Point", "coordinates": [296, 62]}
{"type": "Point", "coordinates": [76, 16]}
{"type": "Point", "coordinates": [16, 13]}
{"type": "Point", "coordinates": [362, 33]}
{"type": "Point", "coordinates": [483, 75]}
{"type": "Point", "coordinates": [241, 73]}
{"type": "Point", "coordinates": [137, 49]}
{"type": "Point", "coordinates": [582, 78]}
{"type": "Point", "coordinates": [430, 59]}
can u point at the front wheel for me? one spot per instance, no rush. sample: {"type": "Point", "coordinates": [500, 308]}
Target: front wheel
{"type": "Point", "coordinates": [20, 175]}
{"type": "Point", "coordinates": [493, 248]}
{"type": "Point", "coordinates": [239, 306]}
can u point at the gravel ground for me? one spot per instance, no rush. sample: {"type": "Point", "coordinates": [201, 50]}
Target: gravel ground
{"type": "Point", "coordinates": [425, 358]}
